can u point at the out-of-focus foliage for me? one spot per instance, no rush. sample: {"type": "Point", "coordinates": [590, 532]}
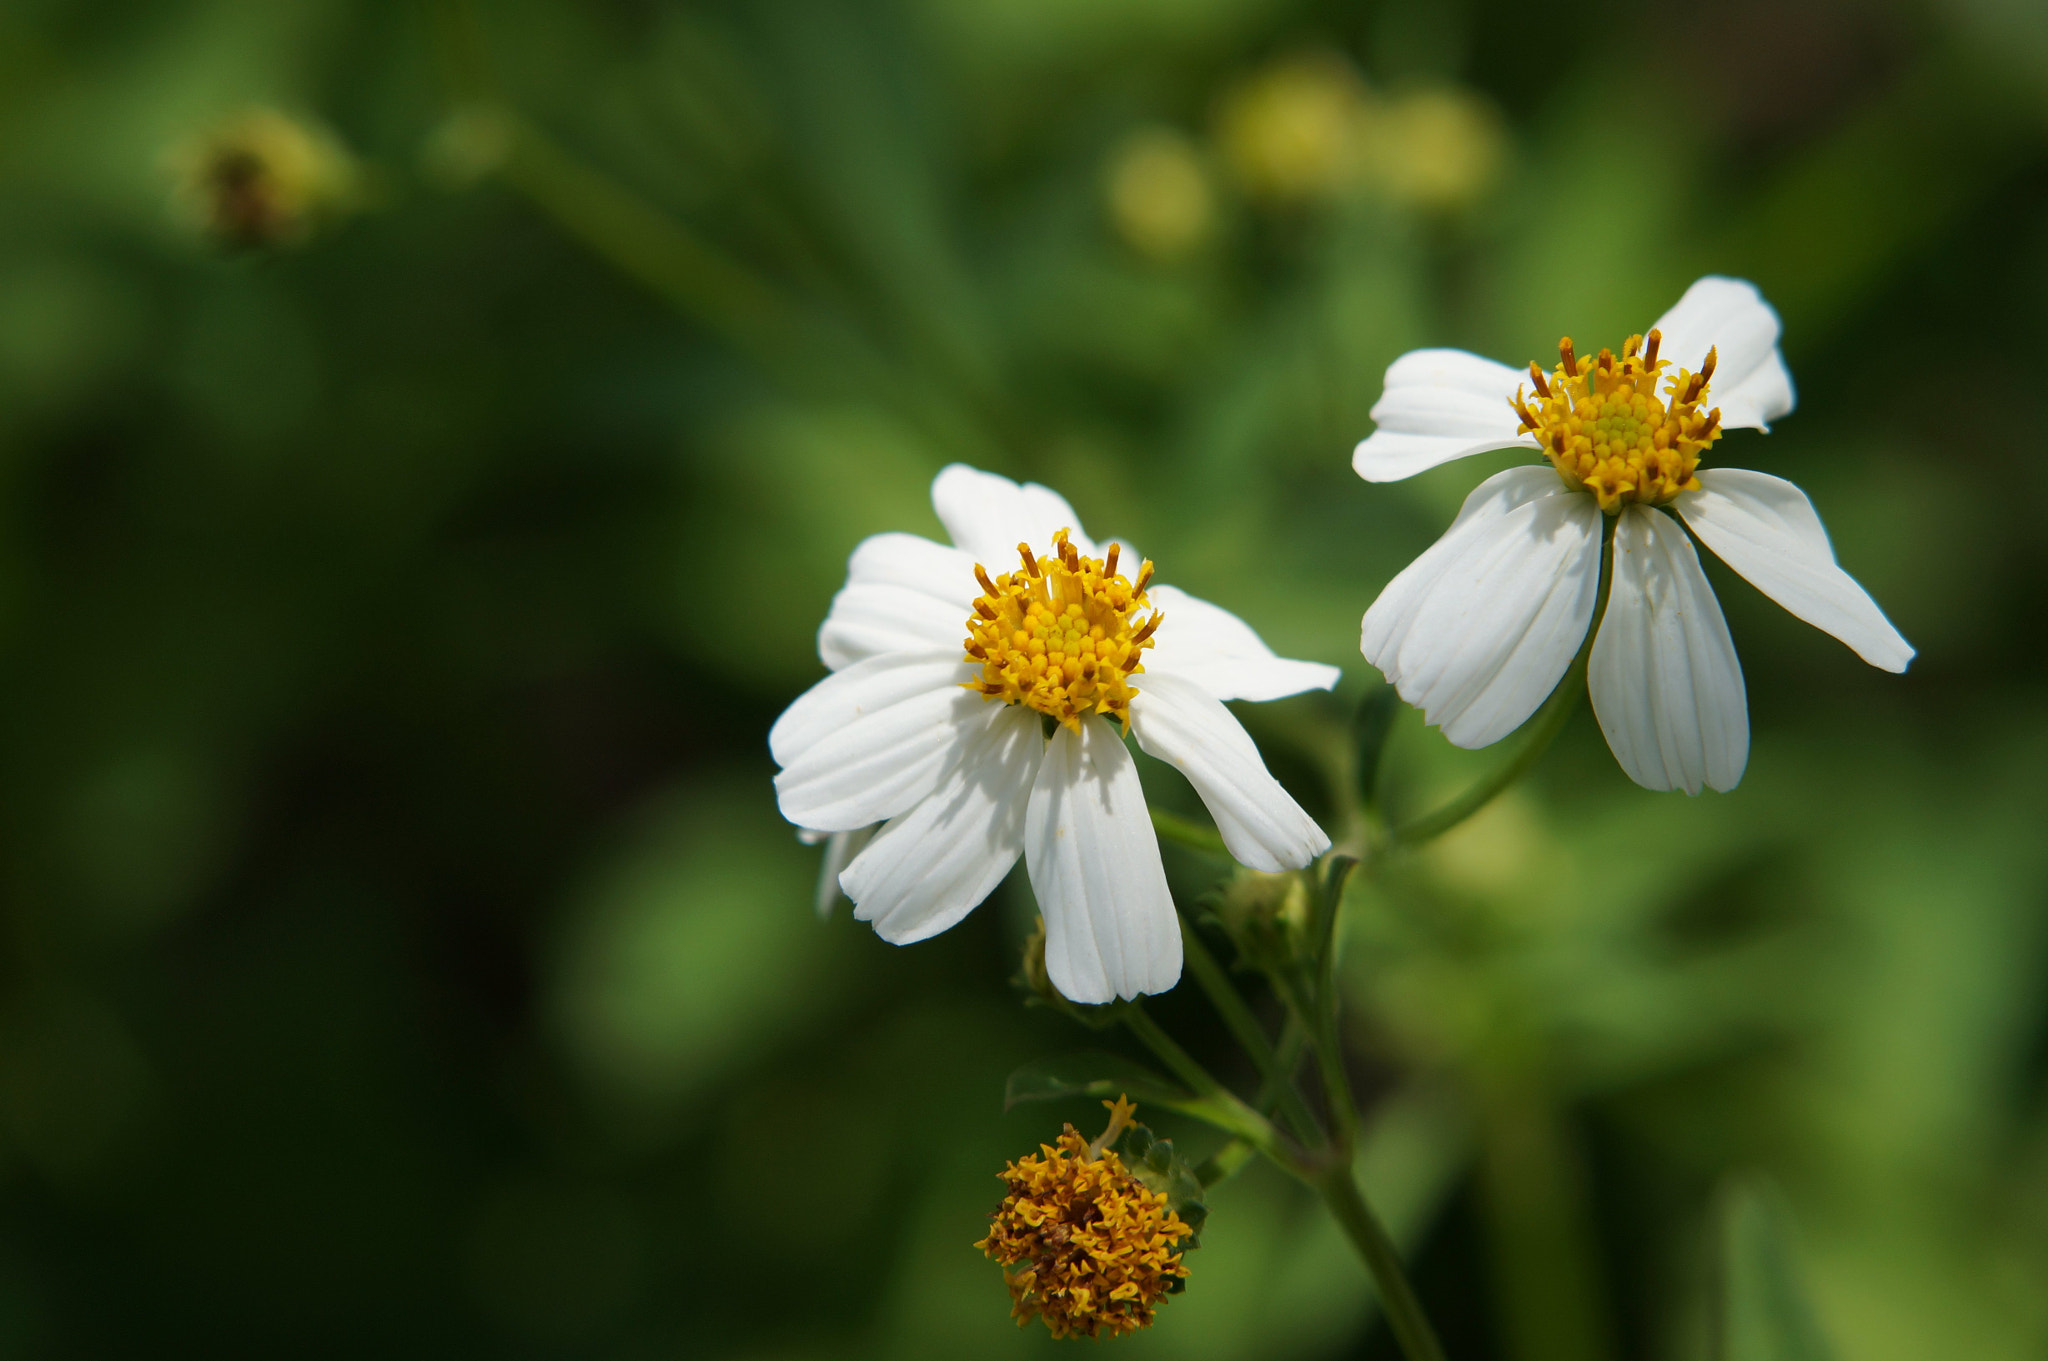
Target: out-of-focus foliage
{"type": "Point", "coordinates": [401, 951]}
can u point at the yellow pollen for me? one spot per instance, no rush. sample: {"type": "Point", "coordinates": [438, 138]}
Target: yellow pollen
{"type": "Point", "coordinates": [1084, 1245]}
{"type": "Point", "coordinates": [1604, 427]}
{"type": "Point", "coordinates": [1062, 634]}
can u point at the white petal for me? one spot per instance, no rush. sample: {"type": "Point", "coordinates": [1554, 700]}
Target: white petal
{"type": "Point", "coordinates": [988, 515]}
{"type": "Point", "coordinates": [865, 686]}
{"type": "Point", "coordinates": [1479, 629]}
{"type": "Point", "coordinates": [1664, 680]}
{"type": "Point", "coordinates": [866, 743]}
{"type": "Point", "coordinates": [840, 849]}
{"type": "Point", "coordinates": [1219, 651]}
{"type": "Point", "coordinates": [1110, 928]}
{"type": "Point", "coordinates": [929, 867]}
{"type": "Point", "coordinates": [1439, 405]}
{"type": "Point", "coordinates": [1751, 384]}
{"type": "Point", "coordinates": [902, 594]}
{"type": "Point", "coordinates": [1766, 529]}
{"type": "Point", "coordinates": [1189, 729]}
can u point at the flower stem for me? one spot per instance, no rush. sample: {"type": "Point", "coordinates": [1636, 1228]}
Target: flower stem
{"type": "Point", "coordinates": [1189, 833]}
{"type": "Point", "coordinates": [1230, 1004]}
{"type": "Point", "coordinates": [1231, 1111]}
{"type": "Point", "coordinates": [1541, 731]}
{"type": "Point", "coordinates": [1410, 1325]}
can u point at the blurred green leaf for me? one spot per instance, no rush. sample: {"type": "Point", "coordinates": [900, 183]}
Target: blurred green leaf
{"type": "Point", "coordinates": [1762, 1313]}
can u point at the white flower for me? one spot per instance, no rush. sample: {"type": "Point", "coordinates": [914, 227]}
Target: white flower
{"type": "Point", "coordinates": [977, 723]}
{"type": "Point", "coordinates": [1479, 629]}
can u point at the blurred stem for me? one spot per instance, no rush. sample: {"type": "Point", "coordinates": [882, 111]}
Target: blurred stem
{"type": "Point", "coordinates": [648, 245]}
{"type": "Point", "coordinates": [1287, 1061]}
{"type": "Point", "coordinates": [1539, 734]}
{"type": "Point", "coordinates": [1230, 1004]}
{"type": "Point", "coordinates": [1545, 1266]}
{"type": "Point", "coordinates": [1225, 1163]}
{"type": "Point", "coordinates": [1339, 1188]}
{"type": "Point", "coordinates": [1188, 833]}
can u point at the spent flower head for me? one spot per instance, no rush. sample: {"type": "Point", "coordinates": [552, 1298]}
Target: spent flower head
{"type": "Point", "coordinates": [1084, 1243]}
{"type": "Point", "coordinates": [263, 178]}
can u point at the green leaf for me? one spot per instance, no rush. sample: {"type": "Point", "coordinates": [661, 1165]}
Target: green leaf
{"type": "Point", "coordinates": [1762, 1313]}
{"type": "Point", "coordinates": [1092, 1073]}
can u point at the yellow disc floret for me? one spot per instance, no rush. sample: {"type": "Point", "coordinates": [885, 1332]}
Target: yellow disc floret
{"type": "Point", "coordinates": [1085, 1245]}
{"type": "Point", "coordinates": [1062, 634]}
{"type": "Point", "coordinates": [1606, 430]}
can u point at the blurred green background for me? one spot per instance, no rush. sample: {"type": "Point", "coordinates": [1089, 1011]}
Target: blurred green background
{"type": "Point", "coordinates": [400, 953]}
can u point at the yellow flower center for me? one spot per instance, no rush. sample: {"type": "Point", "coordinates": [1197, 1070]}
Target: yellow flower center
{"type": "Point", "coordinates": [1062, 633]}
{"type": "Point", "coordinates": [1084, 1245]}
{"type": "Point", "coordinates": [1605, 429]}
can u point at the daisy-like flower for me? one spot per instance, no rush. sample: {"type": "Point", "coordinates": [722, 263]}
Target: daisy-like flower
{"type": "Point", "coordinates": [979, 717]}
{"type": "Point", "coordinates": [1479, 630]}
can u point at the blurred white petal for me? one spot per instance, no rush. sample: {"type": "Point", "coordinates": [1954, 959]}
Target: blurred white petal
{"type": "Point", "coordinates": [1766, 529]}
{"type": "Point", "coordinates": [1110, 927]}
{"type": "Point", "coordinates": [840, 849]}
{"type": "Point", "coordinates": [1664, 680]}
{"type": "Point", "coordinates": [1439, 405]}
{"type": "Point", "coordinates": [1220, 652]}
{"type": "Point", "coordinates": [929, 867]}
{"type": "Point", "coordinates": [1189, 729]}
{"type": "Point", "coordinates": [1479, 630]}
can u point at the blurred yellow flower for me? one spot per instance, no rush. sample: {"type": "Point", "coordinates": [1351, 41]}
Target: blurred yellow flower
{"type": "Point", "coordinates": [263, 178]}
{"type": "Point", "coordinates": [1293, 132]}
{"type": "Point", "coordinates": [1437, 149]}
{"type": "Point", "coordinates": [1159, 194]}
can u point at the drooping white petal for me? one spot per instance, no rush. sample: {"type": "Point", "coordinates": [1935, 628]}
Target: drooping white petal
{"type": "Point", "coordinates": [1664, 680]}
{"type": "Point", "coordinates": [1110, 927]}
{"type": "Point", "coordinates": [1220, 652]}
{"type": "Point", "coordinates": [988, 515]}
{"type": "Point", "coordinates": [1766, 529]}
{"type": "Point", "coordinates": [931, 866]}
{"type": "Point", "coordinates": [1189, 729]}
{"type": "Point", "coordinates": [866, 743]}
{"type": "Point", "coordinates": [902, 593]}
{"type": "Point", "coordinates": [1439, 405]}
{"type": "Point", "coordinates": [840, 849]}
{"type": "Point", "coordinates": [1751, 384]}
{"type": "Point", "coordinates": [1479, 629]}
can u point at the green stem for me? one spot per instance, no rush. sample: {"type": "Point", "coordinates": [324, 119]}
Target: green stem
{"type": "Point", "coordinates": [1329, 1048]}
{"type": "Point", "coordinates": [1233, 1114]}
{"type": "Point", "coordinates": [1245, 1028]}
{"type": "Point", "coordinates": [1410, 1325]}
{"type": "Point", "coordinates": [1189, 833]}
{"type": "Point", "coordinates": [1540, 733]}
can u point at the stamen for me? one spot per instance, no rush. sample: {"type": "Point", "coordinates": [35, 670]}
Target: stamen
{"type": "Point", "coordinates": [1144, 577]}
{"type": "Point", "coordinates": [1607, 429]}
{"type": "Point", "coordinates": [1030, 563]}
{"type": "Point", "coordinates": [1066, 637]}
{"type": "Point", "coordinates": [1109, 560]}
{"type": "Point", "coordinates": [981, 574]}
